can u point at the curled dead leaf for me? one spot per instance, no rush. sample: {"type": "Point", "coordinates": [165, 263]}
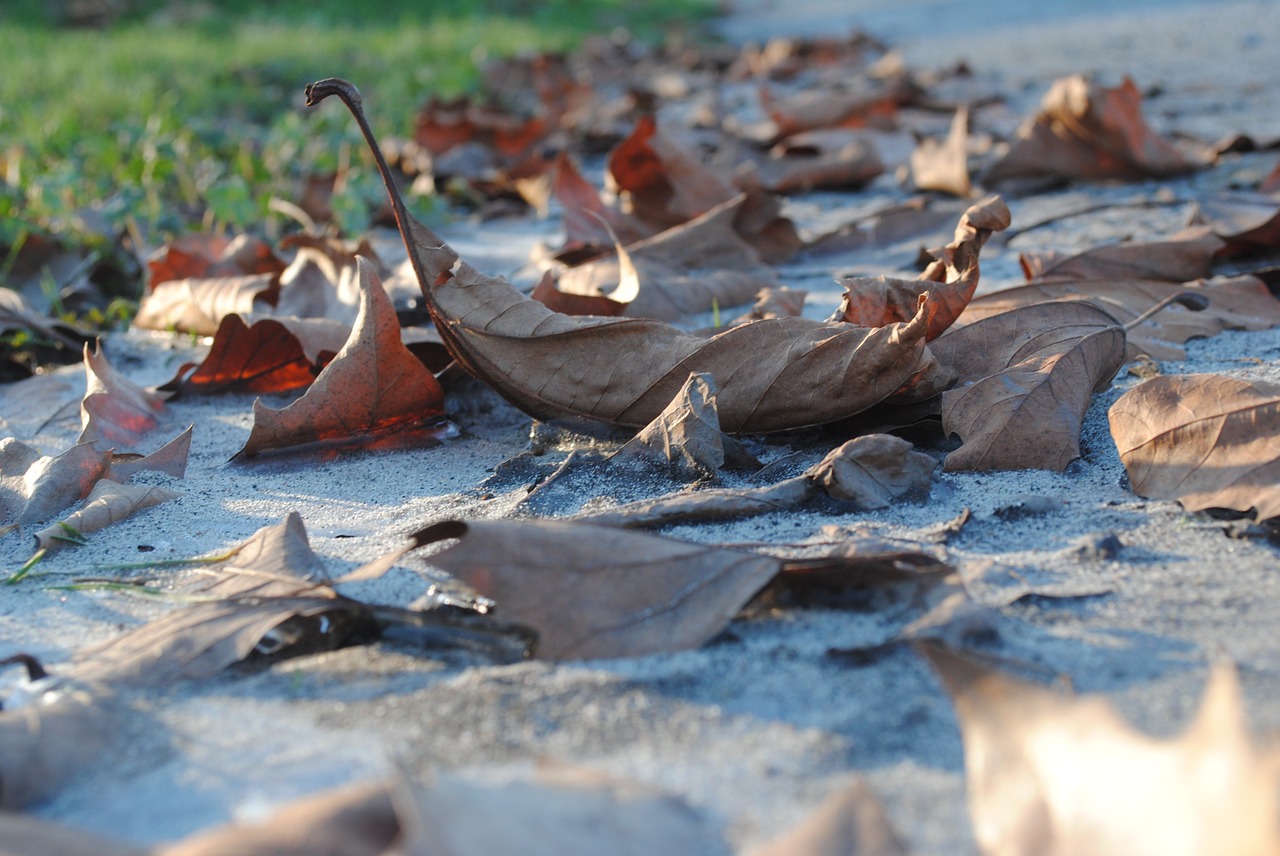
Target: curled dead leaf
{"type": "Point", "coordinates": [115, 410]}
{"type": "Point", "coordinates": [109, 502]}
{"type": "Point", "coordinates": [773, 375]}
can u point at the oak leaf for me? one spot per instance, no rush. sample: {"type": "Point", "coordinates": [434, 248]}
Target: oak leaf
{"type": "Point", "coordinates": [1031, 376]}
{"type": "Point", "coordinates": [1208, 441]}
{"type": "Point", "coordinates": [1052, 774]}
{"type": "Point", "coordinates": [373, 390]}
{"type": "Point", "coordinates": [595, 591]}
{"type": "Point", "coordinates": [1240, 303]}
{"type": "Point", "coordinates": [773, 375]}
{"type": "Point", "coordinates": [1090, 132]}
{"type": "Point", "coordinates": [949, 281]}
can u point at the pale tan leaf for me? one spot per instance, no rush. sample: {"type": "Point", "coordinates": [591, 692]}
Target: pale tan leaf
{"type": "Point", "coordinates": [944, 166]}
{"type": "Point", "coordinates": [170, 459]}
{"type": "Point", "coordinates": [33, 488]}
{"type": "Point", "coordinates": [1208, 441]}
{"type": "Point", "coordinates": [109, 502]}
{"type": "Point", "coordinates": [199, 305]}
{"type": "Point", "coordinates": [1050, 775]}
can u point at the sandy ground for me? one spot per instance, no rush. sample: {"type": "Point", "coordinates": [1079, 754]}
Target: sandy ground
{"type": "Point", "coordinates": [757, 728]}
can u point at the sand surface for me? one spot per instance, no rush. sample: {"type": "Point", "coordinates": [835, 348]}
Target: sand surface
{"type": "Point", "coordinates": [755, 729]}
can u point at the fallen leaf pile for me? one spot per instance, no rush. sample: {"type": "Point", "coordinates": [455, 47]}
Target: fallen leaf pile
{"type": "Point", "coordinates": [693, 420]}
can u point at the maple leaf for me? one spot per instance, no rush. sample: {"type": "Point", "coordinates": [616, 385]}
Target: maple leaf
{"type": "Point", "coordinates": [1087, 131]}
{"type": "Point", "coordinates": [374, 389]}
{"type": "Point", "coordinates": [625, 371]}
{"type": "Point", "coordinates": [1208, 441]}
{"type": "Point", "coordinates": [1052, 774]}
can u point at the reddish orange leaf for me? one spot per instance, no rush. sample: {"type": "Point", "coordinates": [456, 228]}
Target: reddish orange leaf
{"type": "Point", "coordinates": [374, 390]}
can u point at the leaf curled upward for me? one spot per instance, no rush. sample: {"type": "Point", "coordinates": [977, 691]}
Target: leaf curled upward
{"type": "Point", "coordinates": [772, 375]}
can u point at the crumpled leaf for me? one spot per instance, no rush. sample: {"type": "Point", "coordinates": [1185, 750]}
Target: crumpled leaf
{"type": "Point", "coordinates": [115, 410]}
{"type": "Point", "coordinates": [851, 822]}
{"type": "Point", "coordinates": [867, 472]}
{"type": "Point", "coordinates": [355, 820]}
{"type": "Point", "coordinates": [685, 270]}
{"type": "Point", "coordinates": [662, 183]}
{"type": "Point", "coordinates": [1085, 131]}
{"type": "Point", "coordinates": [1051, 774]}
{"type": "Point", "coordinates": [687, 436]}
{"type": "Point", "coordinates": [595, 591]}
{"type": "Point", "coordinates": [944, 166]}
{"type": "Point", "coordinates": [1034, 371]}
{"type": "Point", "coordinates": [374, 389]}
{"type": "Point", "coordinates": [257, 354]}
{"type": "Point", "coordinates": [1182, 258]}
{"type": "Point", "coordinates": [773, 375]}
{"type": "Point", "coordinates": [563, 811]}
{"type": "Point", "coordinates": [949, 280]}
{"type": "Point", "coordinates": [35, 487]}
{"type": "Point", "coordinates": [59, 728]}
{"type": "Point", "coordinates": [109, 502]}
{"type": "Point", "coordinates": [1208, 441]}
{"type": "Point", "coordinates": [1240, 303]}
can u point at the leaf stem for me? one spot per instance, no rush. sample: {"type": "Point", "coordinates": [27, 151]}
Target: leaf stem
{"type": "Point", "coordinates": [1189, 299]}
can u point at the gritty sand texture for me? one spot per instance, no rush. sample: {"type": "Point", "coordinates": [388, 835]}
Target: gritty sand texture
{"type": "Point", "coordinates": [758, 727]}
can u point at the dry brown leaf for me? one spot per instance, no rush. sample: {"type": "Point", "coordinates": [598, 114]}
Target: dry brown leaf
{"type": "Point", "coordinates": [949, 280]}
{"type": "Point", "coordinates": [199, 305]}
{"type": "Point", "coordinates": [34, 488]}
{"type": "Point", "coordinates": [108, 503]}
{"type": "Point", "coordinates": [207, 256]}
{"type": "Point", "coordinates": [1241, 303]}
{"type": "Point", "coordinates": [686, 436]}
{"type": "Point", "coordinates": [1090, 132]}
{"type": "Point", "coordinates": [1052, 775]}
{"type": "Point", "coordinates": [320, 282]}
{"type": "Point", "coordinates": [356, 820]}
{"type": "Point", "coordinates": [1248, 223]}
{"type": "Point", "coordinates": [867, 472]}
{"type": "Point", "coordinates": [858, 104]}
{"type": "Point", "coordinates": [373, 391]}
{"type": "Point", "coordinates": [263, 355]}
{"type": "Point", "coordinates": [1034, 371]}
{"type": "Point", "coordinates": [780, 302]}
{"type": "Point", "coordinates": [1182, 258]}
{"type": "Point", "coordinates": [944, 166]}
{"type": "Point", "coordinates": [595, 591]}
{"type": "Point", "coordinates": [851, 822]}
{"type": "Point", "coordinates": [563, 811]}
{"type": "Point", "coordinates": [776, 374]}
{"type": "Point", "coordinates": [115, 410]}
{"type": "Point", "coordinates": [59, 729]}
{"type": "Point", "coordinates": [815, 160]}
{"type": "Point", "coordinates": [1208, 441]}
{"type": "Point", "coordinates": [444, 125]}
{"type": "Point", "coordinates": [680, 272]}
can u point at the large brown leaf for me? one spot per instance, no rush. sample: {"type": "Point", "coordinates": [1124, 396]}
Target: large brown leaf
{"type": "Point", "coordinates": [374, 390]}
{"type": "Point", "coordinates": [772, 375]}
{"type": "Point", "coordinates": [949, 281]}
{"type": "Point", "coordinates": [1034, 371]}
{"type": "Point", "coordinates": [596, 591]}
{"type": "Point", "coordinates": [1208, 441]}
{"type": "Point", "coordinates": [1053, 775]}
{"type": "Point", "coordinates": [1091, 132]}
{"type": "Point", "coordinates": [1241, 303]}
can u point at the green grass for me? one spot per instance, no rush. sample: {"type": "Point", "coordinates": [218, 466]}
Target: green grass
{"type": "Point", "coordinates": [186, 115]}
